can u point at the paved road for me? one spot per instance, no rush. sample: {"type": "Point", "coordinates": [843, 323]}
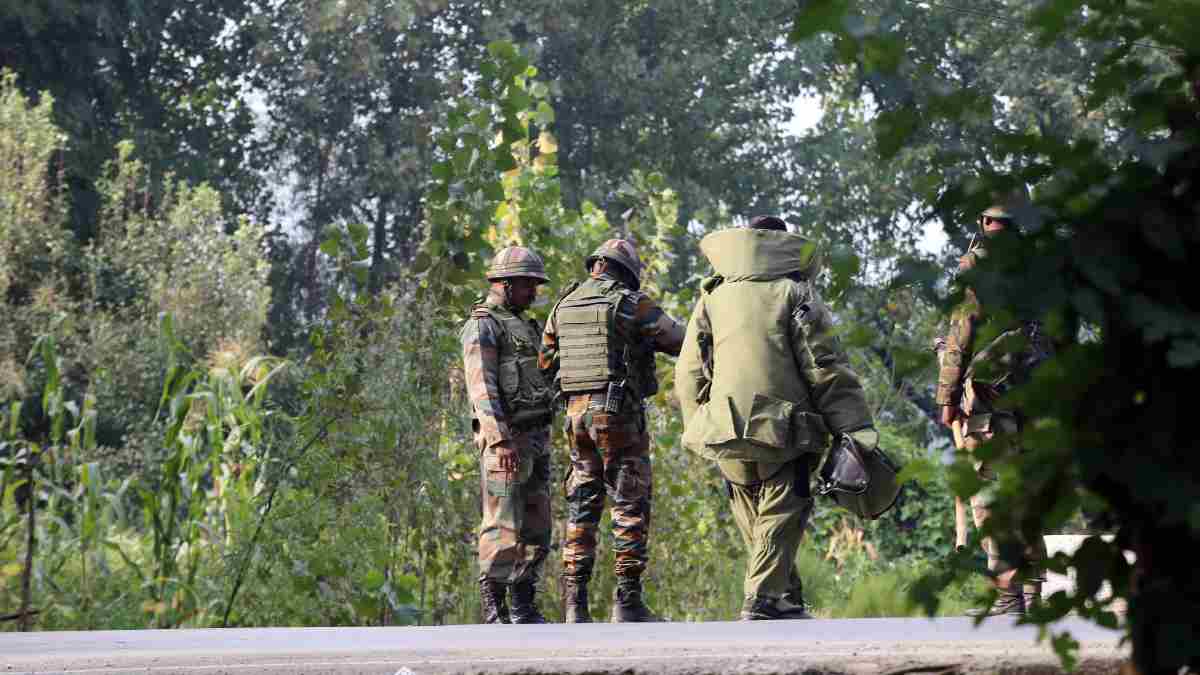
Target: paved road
{"type": "Point", "coordinates": [819, 646]}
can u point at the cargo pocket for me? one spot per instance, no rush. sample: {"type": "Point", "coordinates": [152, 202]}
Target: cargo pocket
{"type": "Point", "coordinates": [770, 422]}
{"type": "Point", "coordinates": [711, 425]}
{"type": "Point", "coordinates": [510, 378]}
{"type": "Point", "coordinates": [501, 483]}
{"type": "Point", "coordinates": [979, 423]}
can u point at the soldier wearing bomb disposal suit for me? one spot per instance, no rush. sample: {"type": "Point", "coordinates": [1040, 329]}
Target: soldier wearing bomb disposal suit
{"type": "Point", "coordinates": [762, 382]}
{"type": "Point", "coordinates": [599, 347]}
{"type": "Point", "coordinates": [972, 379]}
{"type": "Point", "coordinates": [511, 406]}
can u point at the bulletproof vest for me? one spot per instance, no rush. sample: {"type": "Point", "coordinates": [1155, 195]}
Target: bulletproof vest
{"type": "Point", "coordinates": [523, 389]}
{"type": "Point", "coordinates": [599, 343]}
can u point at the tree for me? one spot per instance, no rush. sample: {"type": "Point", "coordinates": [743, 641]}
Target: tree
{"type": "Point", "coordinates": [162, 74]}
{"type": "Point", "coordinates": [1113, 158]}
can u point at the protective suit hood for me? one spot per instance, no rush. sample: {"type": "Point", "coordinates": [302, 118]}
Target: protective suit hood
{"type": "Point", "coordinates": [760, 254]}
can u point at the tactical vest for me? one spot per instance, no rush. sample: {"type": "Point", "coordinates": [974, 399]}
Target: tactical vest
{"type": "Point", "coordinates": [526, 397]}
{"type": "Point", "coordinates": [599, 343]}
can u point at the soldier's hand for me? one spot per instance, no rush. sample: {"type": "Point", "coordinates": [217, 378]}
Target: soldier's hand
{"type": "Point", "coordinates": [508, 456]}
{"type": "Point", "coordinates": [949, 414]}
{"type": "Point", "coordinates": [966, 262]}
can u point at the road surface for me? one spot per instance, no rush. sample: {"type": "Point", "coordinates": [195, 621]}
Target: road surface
{"type": "Point", "coordinates": [946, 645]}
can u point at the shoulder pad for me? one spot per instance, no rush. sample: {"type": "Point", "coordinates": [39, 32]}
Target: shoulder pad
{"type": "Point", "coordinates": [568, 290]}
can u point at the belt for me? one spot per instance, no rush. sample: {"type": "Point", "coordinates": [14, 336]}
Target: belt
{"type": "Point", "coordinates": [599, 403]}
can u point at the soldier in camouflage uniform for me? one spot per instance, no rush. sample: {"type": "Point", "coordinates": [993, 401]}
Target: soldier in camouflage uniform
{"type": "Point", "coordinates": [512, 409]}
{"type": "Point", "coordinates": [599, 347]}
{"type": "Point", "coordinates": [762, 382]}
{"type": "Point", "coordinates": [972, 377]}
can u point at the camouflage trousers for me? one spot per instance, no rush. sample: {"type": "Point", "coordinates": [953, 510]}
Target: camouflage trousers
{"type": "Point", "coordinates": [772, 515]}
{"type": "Point", "coordinates": [610, 455]}
{"type": "Point", "coordinates": [514, 537]}
{"type": "Point", "coordinates": [1004, 553]}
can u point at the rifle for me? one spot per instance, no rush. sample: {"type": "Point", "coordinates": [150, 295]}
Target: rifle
{"type": "Point", "coordinates": [960, 507]}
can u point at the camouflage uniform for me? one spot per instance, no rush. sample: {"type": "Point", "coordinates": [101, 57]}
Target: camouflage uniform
{"type": "Point", "coordinates": [510, 403]}
{"type": "Point", "coordinates": [610, 449]}
{"type": "Point", "coordinates": [972, 378]}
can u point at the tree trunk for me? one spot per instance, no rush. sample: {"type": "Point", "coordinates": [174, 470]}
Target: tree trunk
{"type": "Point", "coordinates": [30, 546]}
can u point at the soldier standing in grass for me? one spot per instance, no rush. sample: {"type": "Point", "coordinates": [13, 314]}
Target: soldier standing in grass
{"type": "Point", "coordinates": [599, 347]}
{"type": "Point", "coordinates": [762, 381]}
{"type": "Point", "coordinates": [971, 380]}
{"type": "Point", "coordinates": [512, 410]}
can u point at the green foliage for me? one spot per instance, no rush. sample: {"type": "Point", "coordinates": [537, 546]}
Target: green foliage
{"type": "Point", "coordinates": [165, 76]}
{"type": "Point", "coordinates": [33, 242]}
{"type": "Point", "coordinates": [1112, 162]}
{"type": "Point", "coordinates": [89, 526]}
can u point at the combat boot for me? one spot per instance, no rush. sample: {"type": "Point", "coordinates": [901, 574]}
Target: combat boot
{"type": "Point", "coordinates": [575, 594]}
{"type": "Point", "coordinates": [1009, 602]}
{"type": "Point", "coordinates": [492, 593]}
{"type": "Point", "coordinates": [792, 606]}
{"type": "Point", "coordinates": [628, 606]}
{"type": "Point", "coordinates": [524, 609]}
{"type": "Point", "coordinates": [763, 608]}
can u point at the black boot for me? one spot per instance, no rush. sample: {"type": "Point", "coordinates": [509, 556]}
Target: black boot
{"type": "Point", "coordinates": [491, 593]}
{"type": "Point", "coordinates": [763, 608]}
{"type": "Point", "coordinates": [524, 609]}
{"type": "Point", "coordinates": [793, 606]}
{"type": "Point", "coordinates": [575, 596]}
{"type": "Point", "coordinates": [1009, 601]}
{"type": "Point", "coordinates": [628, 606]}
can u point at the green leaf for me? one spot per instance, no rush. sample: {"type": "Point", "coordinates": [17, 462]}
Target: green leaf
{"type": "Point", "coordinates": [921, 470]}
{"type": "Point", "coordinates": [1067, 649]}
{"type": "Point", "coordinates": [331, 246]}
{"type": "Point", "coordinates": [894, 128]}
{"type": "Point", "coordinates": [502, 50]}
{"type": "Point", "coordinates": [545, 114]}
{"type": "Point", "coordinates": [963, 479]}
{"type": "Point", "coordinates": [818, 16]}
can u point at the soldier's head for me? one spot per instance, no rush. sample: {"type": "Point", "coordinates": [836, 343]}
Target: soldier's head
{"type": "Point", "coordinates": [619, 259]}
{"type": "Point", "coordinates": [515, 273]}
{"type": "Point", "coordinates": [767, 223]}
{"type": "Point", "coordinates": [996, 218]}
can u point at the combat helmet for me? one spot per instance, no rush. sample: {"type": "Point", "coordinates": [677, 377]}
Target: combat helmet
{"type": "Point", "coordinates": [513, 262]}
{"type": "Point", "coordinates": [623, 253]}
{"type": "Point", "coordinates": [1006, 205]}
{"type": "Point", "coordinates": [860, 480]}
{"type": "Point", "coordinates": [997, 211]}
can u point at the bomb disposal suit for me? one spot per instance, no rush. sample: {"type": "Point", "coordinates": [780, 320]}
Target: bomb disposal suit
{"type": "Point", "coordinates": [763, 381]}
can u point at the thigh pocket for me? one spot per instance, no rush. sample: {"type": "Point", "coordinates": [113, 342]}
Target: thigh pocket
{"type": "Point", "coordinates": [501, 483]}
